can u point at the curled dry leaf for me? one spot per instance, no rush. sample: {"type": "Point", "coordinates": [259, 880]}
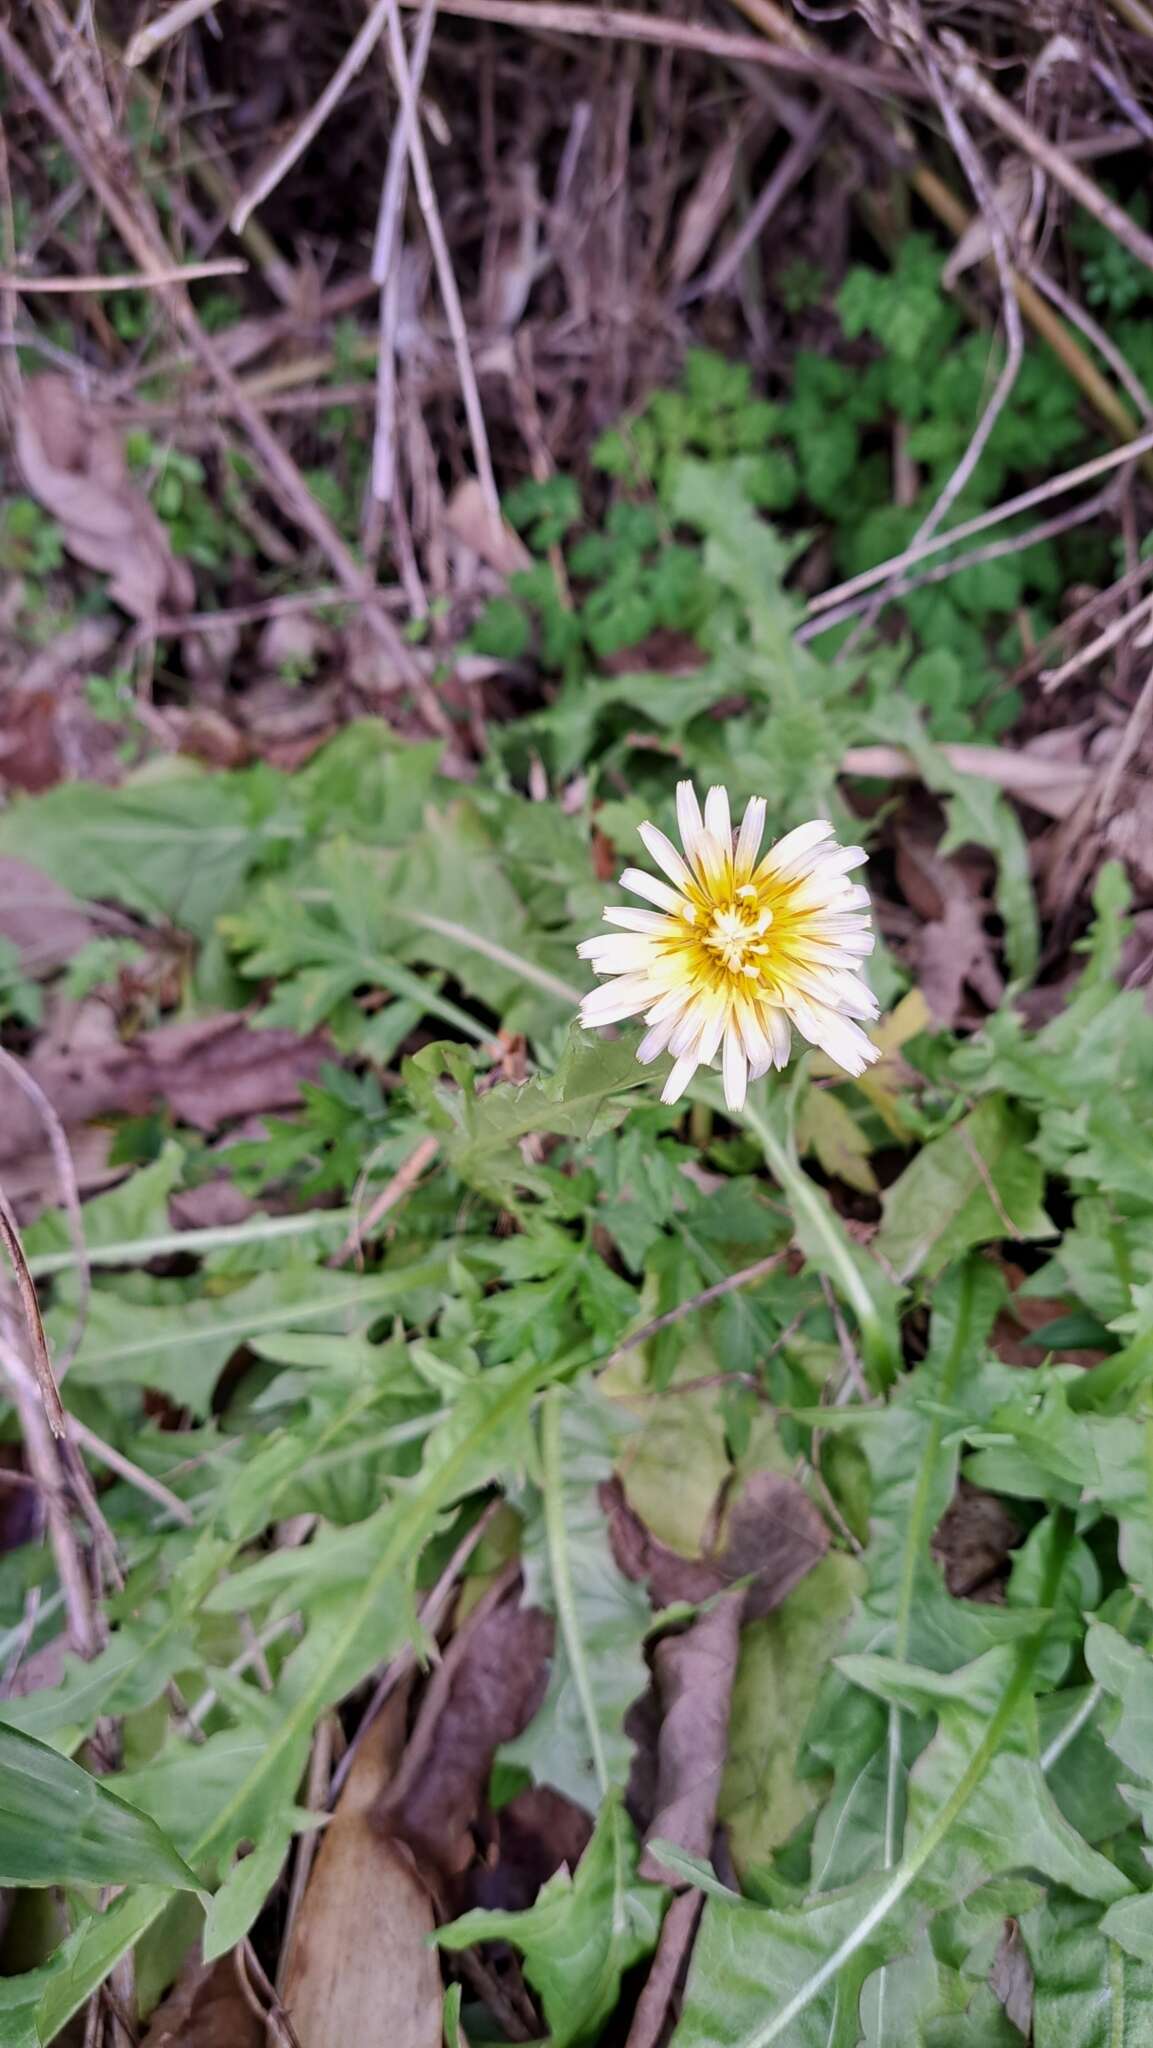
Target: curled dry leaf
{"type": "Point", "coordinates": [771, 1537]}
{"type": "Point", "coordinates": [73, 463]}
{"type": "Point", "coordinates": [668, 1971]}
{"type": "Point", "coordinates": [953, 949]}
{"type": "Point", "coordinates": [359, 1966]}
{"type": "Point", "coordinates": [469, 520]}
{"type": "Point", "coordinates": [490, 1684]}
{"type": "Point", "coordinates": [206, 2008]}
{"type": "Point", "coordinates": [694, 1675]}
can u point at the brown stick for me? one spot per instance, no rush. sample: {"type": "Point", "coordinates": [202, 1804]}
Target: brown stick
{"type": "Point", "coordinates": [69, 1191]}
{"type": "Point", "coordinates": [45, 1460]}
{"type": "Point", "coordinates": [558, 17]}
{"type": "Point", "coordinates": [125, 280]}
{"type": "Point", "coordinates": [38, 1343]}
{"type": "Point", "coordinates": [747, 1277]}
{"type": "Point", "coordinates": [402, 1182]}
{"type": "Point", "coordinates": [972, 84]}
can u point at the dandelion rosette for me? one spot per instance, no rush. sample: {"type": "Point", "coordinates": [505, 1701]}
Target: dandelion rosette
{"type": "Point", "coordinates": [738, 948]}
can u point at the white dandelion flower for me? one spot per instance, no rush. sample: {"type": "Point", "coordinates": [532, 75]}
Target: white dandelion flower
{"type": "Point", "coordinates": [737, 950]}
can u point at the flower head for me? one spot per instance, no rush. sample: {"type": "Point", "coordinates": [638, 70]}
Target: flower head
{"type": "Point", "coordinates": [738, 948]}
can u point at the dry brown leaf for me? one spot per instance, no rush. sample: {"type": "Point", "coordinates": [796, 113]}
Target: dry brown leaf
{"type": "Point", "coordinates": [491, 1682]}
{"type": "Point", "coordinates": [773, 1536]}
{"type": "Point", "coordinates": [359, 1967]}
{"type": "Point", "coordinates": [694, 1675]}
{"type": "Point", "coordinates": [953, 950]}
{"type": "Point", "coordinates": [44, 922]}
{"type": "Point", "coordinates": [205, 2009]}
{"type": "Point", "coordinates": [973, 1539]}
{"type": "Point", "coordinates": [207, 1072]}
{"type": "Point", "coordinates": [1011, 196]}
{"type": "Point", "coordinates": [1011, 1980]}
{"type": "Point", "coordinates": [73, 463]}
{"type": "Point", "coordinates": [669, 1967]}
{"type": "Point", "coordinates": [469, 520]}
{"type": "Point", "coordinates": [534, 1833]}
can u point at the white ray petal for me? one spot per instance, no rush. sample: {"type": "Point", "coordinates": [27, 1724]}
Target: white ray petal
{"type": "Point", "coordinates": [654, 921]}
{"type": "Point", "coordinates": [665, 854]}
{"type": "Point", "coordinates": [838, 860]}
{"type": "Point", "coordinates": [654, 1042]}
{"type": "Point", "coordinates": [670, 1004]}
{"type": "Point", "coordinates": [616, 999]}
{"type": "Point", "coordinates": [749, 838]}
{"type": "Point", "coordinates": [781, 1038]}
{"type": "Point", "coordinates": [794, 846]}
{"type": "Point", "coordinates": [844, 1041]}
{"type": "Point", "coordinates": [711, 859]}
{"type": "Point", "coordinates": [837, 991]}
{"type": "Point", "coordinates": [686, 1032]}
{"type": "Point", "coordinates": [640, 884]}
{"type": "Point", "coordinates": [690, 824]}
{"type": "Point", "coordinates": [718, 819]}
{"type": "Point", "coordinates": [712, 1032]}
{"type": "Point", "coordinates": [734, 1070]}
{"type": "Point", "coordinates": [753, 1037]}
{"type": "Point", "coordinates": [617, 952]}
{"type": "Point", "coordinates": [679, 1079]}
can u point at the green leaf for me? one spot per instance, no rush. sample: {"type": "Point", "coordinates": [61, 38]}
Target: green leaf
{"type": "Point", "coordinates": [794, 1979]}
{"type": "Point", "coordinates": [1010, 1819]}
{"type": "Point", "coordinates": [174, 845]}
{"type": "Point", "coordinates": [1087, 1992]}
{"type": "Point", "coordinates": [181, 1350]}
{"type": "Point", "coordinates": [1130, 1924]}
{"type": "Point", "coordinates": [941, 1204]}
{"type": "Point", "coordinates": [245, 1889]}
{"type": "Point", "coordinates": [59, 1825]}
{"type": "Point", "coordinates": [782, 1662]}
{"type": "Point", "coordinates": [481, 1134]}
{"type": "Point", "coordinates": [581, 1934]}
{"type": "Point", "coordinates": [352, 1633]}
{"type": "Point", "coordinates": [913, 1470]}
{"type": "Point", "coordinates": [138, 1662]}
{"type": "Point", "coordinates": [576, 1741]}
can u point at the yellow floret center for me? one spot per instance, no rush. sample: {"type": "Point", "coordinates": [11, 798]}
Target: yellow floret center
{"type": "Point", "coordinates": [736, 937]}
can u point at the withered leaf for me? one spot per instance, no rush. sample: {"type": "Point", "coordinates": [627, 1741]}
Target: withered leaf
{"type": "Point", "coordinates": [773, 1535]}
{"type": "Point", "coordinates": [359, 1966]}
{"type": "Point", "coordinates": [206, 2008]}
{"type": "Point", "coordinates": [208, 1072]}
{"type": "Point", "coordinates": [670, 1965]}
{"type": "Point", "coordinates": [491, 1682]}
{"type": "Point", "coordinates": [72, 461]}
{"type": "Point", "coordinates": [694, 1674]}
{"type": "Point", "coordinates": [44, 921]}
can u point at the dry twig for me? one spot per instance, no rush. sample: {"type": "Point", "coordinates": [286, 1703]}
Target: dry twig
{"type": "Point", "coordinates": [445, 275]}
{"type": "Point", "coordinates": [401, 1184]}
{"type": "Point", "coordinates": [746, 1277]}
{"type": "Point", "coordinates": [351, 64]}
{"type": "Point", "coordinates": [1025, 501]}
{"type": "Point", "coordinates": [1118, 631]}
{"type": "Point", "coordinates": [126, 280]}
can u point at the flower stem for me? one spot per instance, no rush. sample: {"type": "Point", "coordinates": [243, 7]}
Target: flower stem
{"type": "Point", "coordinates": [823, 1239]}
